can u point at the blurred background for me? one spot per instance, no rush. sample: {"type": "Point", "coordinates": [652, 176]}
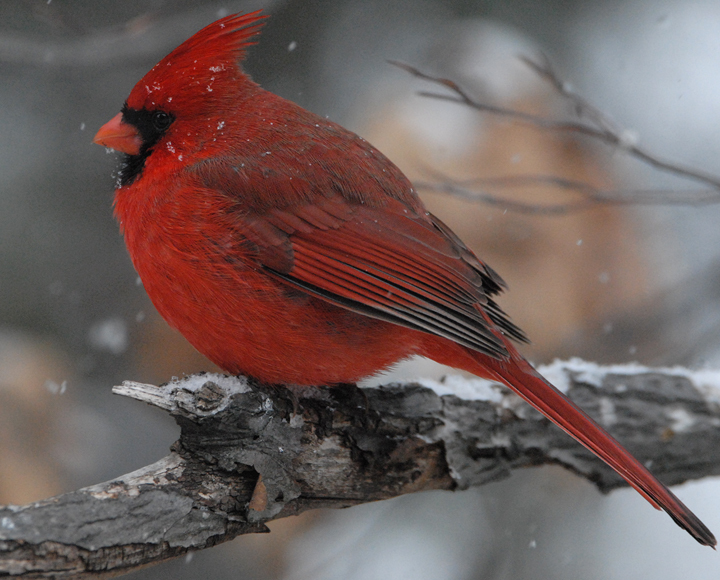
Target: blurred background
{"type": "Point", "coordinates": [610, 283]}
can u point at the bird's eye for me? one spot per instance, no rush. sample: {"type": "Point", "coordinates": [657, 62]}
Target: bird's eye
{"type": "Point", "coordinates": [161, 120]}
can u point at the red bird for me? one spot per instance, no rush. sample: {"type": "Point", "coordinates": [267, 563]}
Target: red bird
{"type": "Point", "coordinates": [287, 248]}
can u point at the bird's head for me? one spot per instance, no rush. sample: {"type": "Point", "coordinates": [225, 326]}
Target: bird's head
{"type": "Point", "coordinates": [174, 108]}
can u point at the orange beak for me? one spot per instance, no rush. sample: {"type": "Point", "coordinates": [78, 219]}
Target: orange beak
{"type": "Point", "coordinates": [119, 136]}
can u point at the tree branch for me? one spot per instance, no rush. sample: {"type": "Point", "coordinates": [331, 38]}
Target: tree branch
{"type": "Point", "coordinates": [592, 123]}
{"type": "Point", "coordinates": [249, 454]}
{"type": "Point", "coordinates": [590, 195]}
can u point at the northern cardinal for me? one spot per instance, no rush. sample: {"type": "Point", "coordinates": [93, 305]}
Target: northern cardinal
{"type": "Point", "coordinates": [287, 248]}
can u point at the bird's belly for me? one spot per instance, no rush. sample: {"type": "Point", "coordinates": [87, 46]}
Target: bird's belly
{"type": "Point", "coordinates": [257, 326]}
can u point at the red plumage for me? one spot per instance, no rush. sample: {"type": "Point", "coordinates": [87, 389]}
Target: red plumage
{"type": "Point", "coordinates": [287, 248]}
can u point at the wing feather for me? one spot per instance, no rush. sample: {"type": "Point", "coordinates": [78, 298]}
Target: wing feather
{"type": "Point", "coordinates": [374, 286]}
{"type": "Point", "coordinates": [379, 255]}
{"type": "Point", "coordinates": [394, 265]}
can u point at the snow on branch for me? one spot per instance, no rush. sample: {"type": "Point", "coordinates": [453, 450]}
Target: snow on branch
{"type": "Point", "coordinates": [250, 453]}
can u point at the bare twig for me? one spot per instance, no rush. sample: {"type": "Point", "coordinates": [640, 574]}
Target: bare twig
{"type": "Point", "coordinates": [590, 195]}
{"type": "Point", "coordinates": [609, 132]}
{"type": "Point", "coordinates": [592, 123]}
{"type": "Point", "coordinates": [249, 454]}
{"type": "Point", "coordinates": [583, 108]}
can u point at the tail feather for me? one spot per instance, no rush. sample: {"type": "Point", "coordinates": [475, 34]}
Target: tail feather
{"type": "Point", "coordinates": [522, 378]}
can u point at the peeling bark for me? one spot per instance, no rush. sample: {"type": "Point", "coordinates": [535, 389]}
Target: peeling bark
{"type": "Point", "coordinates": [250, 453]}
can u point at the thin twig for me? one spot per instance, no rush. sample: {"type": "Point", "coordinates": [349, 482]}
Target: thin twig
{"type": "Point", "coordinates": [610, 132]}
{"type": "Point", "coordinates": [583, 108]}
{"type": "Point", "coordinates": [592, 195]}
{"type": "Point", "coordinates": [597, 125]}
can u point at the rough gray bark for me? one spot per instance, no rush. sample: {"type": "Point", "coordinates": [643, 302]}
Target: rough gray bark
{"type": "Point", "coordinates": [249, 454]}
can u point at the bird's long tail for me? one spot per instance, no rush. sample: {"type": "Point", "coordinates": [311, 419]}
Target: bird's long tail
{"type": "Point", "coordinates": [522, 378]}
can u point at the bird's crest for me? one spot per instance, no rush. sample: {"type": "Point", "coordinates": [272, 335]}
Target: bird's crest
{"type": "Point", "coordinates": [208, 59]}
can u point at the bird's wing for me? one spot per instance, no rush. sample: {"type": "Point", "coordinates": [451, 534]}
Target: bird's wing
{"type": "Point", "coordinates": [385, 262]}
